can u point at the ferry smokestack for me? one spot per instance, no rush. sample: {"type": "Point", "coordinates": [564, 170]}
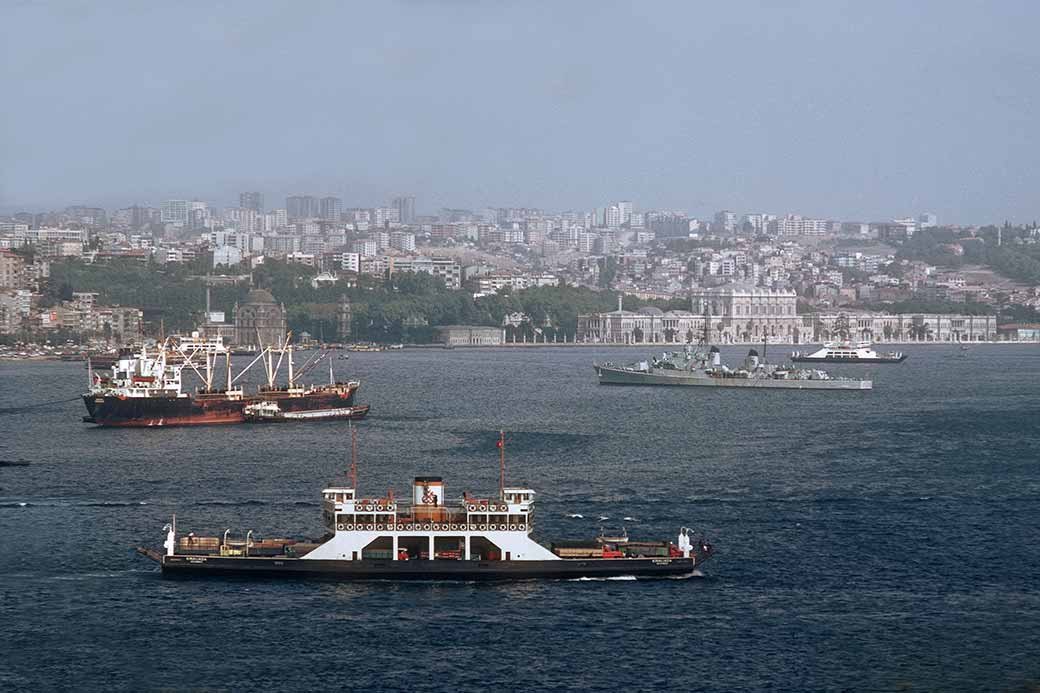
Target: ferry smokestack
{"type": "Point", "coordinates": [428, 490]}
{"type": "Point", "coordinates": [428, 498]}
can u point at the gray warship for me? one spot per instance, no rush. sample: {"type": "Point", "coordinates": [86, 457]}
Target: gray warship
{"type": "Point", "coordinates": [697, 368]}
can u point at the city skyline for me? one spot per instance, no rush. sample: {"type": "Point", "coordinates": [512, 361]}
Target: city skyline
{"type": "Point", "coordinates": [838, 110]}
{"type": "Point", "coordinates": [609, 212]}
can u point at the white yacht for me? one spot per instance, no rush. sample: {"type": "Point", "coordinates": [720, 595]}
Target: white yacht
{"type": "Point", "coordinates": [847, 352]}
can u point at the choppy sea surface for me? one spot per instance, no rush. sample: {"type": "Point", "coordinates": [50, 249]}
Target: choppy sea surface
{"type": "Point", "coordinates": [887, 540]}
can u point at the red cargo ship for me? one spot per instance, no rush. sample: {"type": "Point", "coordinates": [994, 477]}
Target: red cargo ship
{"type": "Point", "coordinates": [144, 390]}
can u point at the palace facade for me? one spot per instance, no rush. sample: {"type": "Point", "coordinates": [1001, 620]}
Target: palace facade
{"type": "Point", "coordinates": [470, 335]}
{"type": "Point", "coordinates": [751, 315]}
{"type": "Point", "coordinates": [733, 315]}
{"type": "Point", "coordinates": [869, 326]}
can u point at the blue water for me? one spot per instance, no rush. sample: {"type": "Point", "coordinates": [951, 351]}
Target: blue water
{"type": "Point", "coordinates": [865, 541]}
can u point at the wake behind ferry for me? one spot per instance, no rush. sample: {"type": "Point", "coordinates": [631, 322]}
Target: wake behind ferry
{"type": "Point", "coordinates": [470, 538]}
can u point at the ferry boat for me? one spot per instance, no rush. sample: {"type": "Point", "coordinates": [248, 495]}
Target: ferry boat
{"type": "Point", "coordinates": [430, 537]}
{"type": "Point", "coordinates": [695, 368]}
{"type": "Point", "coordinates": [847, 352]}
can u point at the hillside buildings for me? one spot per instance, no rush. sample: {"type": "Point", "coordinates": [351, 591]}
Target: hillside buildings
{"type": "Point", "coordinates": [741, 278]}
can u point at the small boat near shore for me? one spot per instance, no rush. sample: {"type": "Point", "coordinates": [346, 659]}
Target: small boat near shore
{"type": "Point", "coordinates": [847, 352]}
{"type": "Point", "coordinates": [365, 347]}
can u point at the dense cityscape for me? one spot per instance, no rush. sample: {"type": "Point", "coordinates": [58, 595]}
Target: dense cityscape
{"type": "Point", "coordinates": [759, 276]}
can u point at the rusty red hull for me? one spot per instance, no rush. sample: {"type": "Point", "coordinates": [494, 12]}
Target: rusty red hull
{"type": "Point", "coordinates": [146, 412]}
{"type": "Point", "coordinates": [342, 396]}
{"type": "Point", "coordinates": [205, 409]}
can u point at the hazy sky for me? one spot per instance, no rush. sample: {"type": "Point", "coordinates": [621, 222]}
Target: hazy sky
{"type": "Point", "coordinates": [860, 110]}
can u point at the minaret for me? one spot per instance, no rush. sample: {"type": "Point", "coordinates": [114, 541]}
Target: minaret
{"type": "Point", "coordinates": [344, 318]}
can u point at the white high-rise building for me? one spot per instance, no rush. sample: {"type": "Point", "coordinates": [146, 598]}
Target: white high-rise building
{"type": "Point", "coordinates": [625, 208]}
{"type": "Point", "coordinates": [248, 220]}
{"type": "Point", "coordinates": [365, 246]}
{"type": "Point", "coordinates": [402, 240]}
{"type": "Point", "coordinates": [796, 225]}
{"type": "Point", "coordinates": [585, 241]}
{"type": "Point", "coordinates": [350, 262]}
{"type": "Point", "coordinates": [725, 221]}
{"type": "Point", "coordinates": [759, 222]}
{"type": "Point", "coordinates": [384, 215]}
{"type": "Point", "coordinates": [175, 212]}
{"type": "Point", "coordinates": [226, 255]}
{"type": "Point", "coordinates": [927, 221]}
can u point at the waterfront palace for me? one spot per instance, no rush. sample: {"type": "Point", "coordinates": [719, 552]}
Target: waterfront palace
{"type": "Point", "coordinates": [750, 314]}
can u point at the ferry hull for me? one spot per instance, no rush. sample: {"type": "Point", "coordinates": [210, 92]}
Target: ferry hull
{"type": "Point", "coordinates": [620, 376]}
{"type": "Point", "coordinates": [368, 569]}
